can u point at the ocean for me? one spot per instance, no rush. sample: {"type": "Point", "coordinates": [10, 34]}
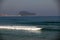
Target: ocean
{"type": "Point", "coordinates": [26, 27]}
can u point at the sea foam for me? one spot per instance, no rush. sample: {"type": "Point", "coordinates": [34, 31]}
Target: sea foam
{"type": "Point", "coordinates": [33, 28]}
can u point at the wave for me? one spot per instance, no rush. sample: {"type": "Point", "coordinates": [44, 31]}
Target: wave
{"type": "Point", "coordinates": [50, 29]}
{"type": "Point", "coordinates": [33, 28]}
{"type": "Point", "coordinates": [40, 23]}
{"type": "Point", "coordinates": [19, 29]}
{"type": "Point", "coordinates": [30, 23]}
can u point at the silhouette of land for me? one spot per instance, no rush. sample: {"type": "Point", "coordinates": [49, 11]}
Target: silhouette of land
{"type": "Point", "coordinates": [25, 13]}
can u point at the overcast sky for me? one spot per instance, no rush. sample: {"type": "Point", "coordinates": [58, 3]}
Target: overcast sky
{"type": "Point", "coordinates": [40, 7]}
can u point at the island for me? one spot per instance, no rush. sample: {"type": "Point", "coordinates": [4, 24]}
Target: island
{"type": "Point", "coordinates": [26, 13]}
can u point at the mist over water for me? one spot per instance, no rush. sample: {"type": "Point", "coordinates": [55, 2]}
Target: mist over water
{"type": "Point", "coordinates": [40, 7]}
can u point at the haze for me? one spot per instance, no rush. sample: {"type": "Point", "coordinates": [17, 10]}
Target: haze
{"type": "Point", "coordinates": [40, 7]}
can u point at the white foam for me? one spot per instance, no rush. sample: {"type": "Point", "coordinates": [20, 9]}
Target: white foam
{"type": "Point", "coordinates": [32, 28]}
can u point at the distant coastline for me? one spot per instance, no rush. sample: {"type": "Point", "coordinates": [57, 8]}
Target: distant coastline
{"type": "Point", "coordinates": [21, 13]}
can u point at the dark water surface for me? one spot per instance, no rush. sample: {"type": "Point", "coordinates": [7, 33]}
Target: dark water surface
{"type": "Point", "coordinates": [51, 23]}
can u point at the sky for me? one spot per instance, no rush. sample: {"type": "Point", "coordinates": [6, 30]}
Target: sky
{"type": "Point", "coordinates": [40, 7]}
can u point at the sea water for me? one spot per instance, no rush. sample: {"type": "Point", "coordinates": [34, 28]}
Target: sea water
{"type": "Point", "coordinates": [29, 28]}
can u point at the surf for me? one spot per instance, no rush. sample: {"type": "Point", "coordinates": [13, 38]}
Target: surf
{"type": "Point", "coordinates": [33, 28]}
